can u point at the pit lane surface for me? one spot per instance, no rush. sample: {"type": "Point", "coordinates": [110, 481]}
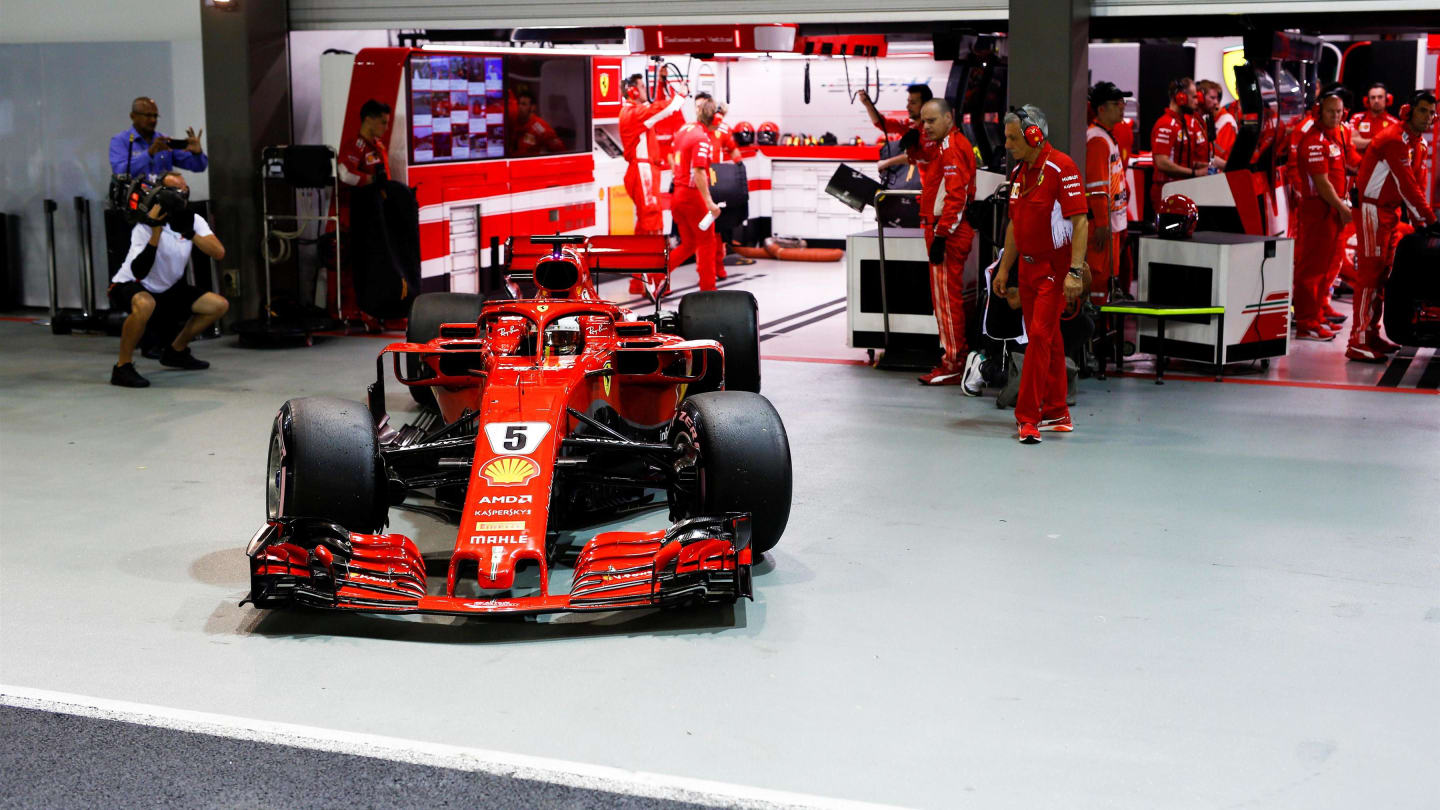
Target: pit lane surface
{"type": "Point", "coordinates": [1209, 595]}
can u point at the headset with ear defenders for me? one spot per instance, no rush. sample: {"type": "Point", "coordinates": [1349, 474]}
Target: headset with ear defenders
{"type": "Point", "coordinates": [1034, 135]}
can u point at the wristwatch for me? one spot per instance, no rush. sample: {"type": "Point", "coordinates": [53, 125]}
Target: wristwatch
{"type": "Point", "coordinates": [1077, 272]}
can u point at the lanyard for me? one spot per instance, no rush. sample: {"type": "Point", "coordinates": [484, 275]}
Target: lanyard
{"type": "Point", "coordinates": [1020, 190]}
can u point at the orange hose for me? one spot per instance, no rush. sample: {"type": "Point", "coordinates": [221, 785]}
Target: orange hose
{"type": "Point", "coordinates": [751, 252]}
{"type": "Point", "coordinates": [809, 254]}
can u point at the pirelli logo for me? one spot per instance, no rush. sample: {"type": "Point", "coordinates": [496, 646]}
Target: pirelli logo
{"type": "Point", "coordinates": [500, 526]}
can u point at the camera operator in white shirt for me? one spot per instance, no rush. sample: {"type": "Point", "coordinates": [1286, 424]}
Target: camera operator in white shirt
{"type": "Point", "coordinates": [151, 282]}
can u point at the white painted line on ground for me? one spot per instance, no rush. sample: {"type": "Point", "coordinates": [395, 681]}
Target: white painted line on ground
{"type": "Point", "coordinates": [436, 755]}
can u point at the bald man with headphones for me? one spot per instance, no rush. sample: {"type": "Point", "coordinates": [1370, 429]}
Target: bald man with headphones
{"type": "Point", "coordinates": [1047, 237]}
{"type": "Point", "coordinates": [1172, 141]}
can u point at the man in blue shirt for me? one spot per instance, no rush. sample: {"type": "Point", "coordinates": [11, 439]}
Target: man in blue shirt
{"type": "Point", "coordinates": [141, 150]}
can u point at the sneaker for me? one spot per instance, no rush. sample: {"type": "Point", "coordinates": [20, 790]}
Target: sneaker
{"type": "Point", "coordinates": [184, 360]}
{"type": "Point", "coordinates": [1365, 353]}
{"type": "Point", "coordinates": [127, 377]}
{"type": "Point", "coordinates": [1061, 424]}
{"type": "Point", "coordinates": [944, 375]}
{"type": "Point", "coordinates": [152, 352]}
{"type": "Point", "coordinates": [972, 382]}
{"type": "Point", "coordinates": [1314, 332]}
{"type": "Point", "coordinates": [1028, 434]}
{"type": "Point", "coordinates": [1384, 345]}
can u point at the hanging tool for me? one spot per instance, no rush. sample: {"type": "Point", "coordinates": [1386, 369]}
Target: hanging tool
{"type": "Point", "coordinates": [807, 82]}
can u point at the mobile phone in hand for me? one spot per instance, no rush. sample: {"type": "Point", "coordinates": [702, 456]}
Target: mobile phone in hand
{"type": "Point", "coordinates": [178, 143]}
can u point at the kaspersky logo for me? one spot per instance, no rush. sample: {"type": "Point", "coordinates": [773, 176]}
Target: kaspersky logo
{"type": "Point", "coordinates": [510, 471]}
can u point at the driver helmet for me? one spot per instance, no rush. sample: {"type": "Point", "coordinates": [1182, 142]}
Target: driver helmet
{"type": "Point", "coordinates": [1177, 217]}
{"type": "Point", "coordinates": [563, 338]}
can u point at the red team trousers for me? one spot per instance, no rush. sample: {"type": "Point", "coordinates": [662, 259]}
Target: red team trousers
{"type": "Point", "coordinates": [641, 182]}
{"type": "Point", "coordinates": [1042, 299]}
{"type": "Point", "coordinates": [687, 208]}
{"type": "Point", "coordinates": [947, 290]}
{"type": "Point", "coordinates": [1317, 252]}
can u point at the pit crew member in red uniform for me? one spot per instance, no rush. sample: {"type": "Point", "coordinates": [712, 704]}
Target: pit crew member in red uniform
{"type": "Point", "coordinates": [1388, 182]}
{"type": "Point", "coordinates": [533, 135]}
{"type": "Point", "coordinates": [694, 150]}
{"type": "Point", "coordinates": [1227, 126]}
{"type": "Point", "coordinates": [1323, 211]}
{"type": "Point", "coordinates": [1046, 237]}
{"type": "Point", "coordinates": [725, 149]}
{"type": "Point", "coordinates": [950, 188]}
{"type": "Point", "coordinates": [1373, 120]}
{"type": "Point", "coordinates": [643, 158]}
{"type": "Point", "coordinates": [916, 97]}
{"type": "Point", "coordinates": [364, 159]}
{"type": "Point", "coordinates": [1172, 141]}
{"type": "Point", "coordinates": [1105, 190]}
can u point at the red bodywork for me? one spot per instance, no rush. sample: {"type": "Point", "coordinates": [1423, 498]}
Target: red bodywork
{"type": "Point", "coordinates": [525, 397]}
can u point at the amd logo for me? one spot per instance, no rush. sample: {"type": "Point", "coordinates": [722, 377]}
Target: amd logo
{"type": "Point", "coordinates": [484, 499]}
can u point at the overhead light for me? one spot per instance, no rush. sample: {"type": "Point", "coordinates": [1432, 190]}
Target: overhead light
{"type": "Point", "coordinates": [572, 50]}
{"type": "Point", "coordinates": [224, 5]}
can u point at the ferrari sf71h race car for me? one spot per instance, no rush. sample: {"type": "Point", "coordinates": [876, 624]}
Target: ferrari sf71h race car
{"type": "Point", "coordinates": [556, 410]}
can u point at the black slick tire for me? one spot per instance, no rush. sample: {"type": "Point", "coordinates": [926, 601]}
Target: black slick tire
{"type": "Point", "coordinates": [734, 457]}
{"type": "Point", "coordinates": [427, 314]}
{"type": "Point", "coordinates": [730, 317]}
{"type": "Point", "coordinates": [324, 462]}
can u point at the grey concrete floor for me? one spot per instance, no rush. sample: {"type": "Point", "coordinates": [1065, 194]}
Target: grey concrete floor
{"type": "Point", "coordinates": [1208, 596]}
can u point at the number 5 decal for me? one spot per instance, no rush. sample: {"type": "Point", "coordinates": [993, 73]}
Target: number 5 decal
{"type": "Point", "coordinates": [515, 438]}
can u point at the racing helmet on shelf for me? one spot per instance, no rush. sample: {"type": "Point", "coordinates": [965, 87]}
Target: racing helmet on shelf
{"type": "Point", "coordinates": [767, 134]}
{"type": "Point", "coordinates": [743, 133]}
{"type": "Point", "coordinates": [1177, 217]}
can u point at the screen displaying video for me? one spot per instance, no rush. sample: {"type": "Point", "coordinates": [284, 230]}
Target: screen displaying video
{"type": "Point", "coordinates": [457, 108]}
{"type": "Point", "coordinates": [547, 105]}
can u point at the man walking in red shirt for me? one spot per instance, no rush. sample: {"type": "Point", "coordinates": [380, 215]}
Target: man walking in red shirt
{"type": "Point", "coordinates": [1388, 182]}
{"type": "Point", "coordinates": [691, 205]}
{"type": "Point", "coordinates": [1046, 237]}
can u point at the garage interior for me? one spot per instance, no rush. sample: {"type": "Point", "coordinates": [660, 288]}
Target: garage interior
{"type": "Point", "coordinates": [1214, 593]}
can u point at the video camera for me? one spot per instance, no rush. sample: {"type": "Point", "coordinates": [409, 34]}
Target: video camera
{"type": "Point", "coordinates": [141, 195]}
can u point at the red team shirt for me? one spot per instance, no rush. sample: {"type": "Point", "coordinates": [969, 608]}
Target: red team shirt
{"type": "Point", "coordinates": [1389, 174]}
{"type": "Point", "coordinates": [1042, 200]}
{"type": "Point", "coordinates": [1171, 137]}
{"type": "Point", "coordinates": [1368, 125]}
{"type": "Point", "coordinates": [694, 149]}
{"type": "Point", "coordinates": [363, 157]}
{"type": "Point", "coordinates": [1321, 152]}
{"type": "Point", "coordinates": [956, 160]}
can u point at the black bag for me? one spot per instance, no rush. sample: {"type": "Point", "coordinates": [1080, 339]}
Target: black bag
{"type": "Point", "coordinates": [384, 250]}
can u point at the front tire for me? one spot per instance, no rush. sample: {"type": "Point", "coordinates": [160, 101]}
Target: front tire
{"type": "Point", "coordinates": [427, 314]}
{"type": "Point", "coordinates": [730, 317]}
{"type": "Point", "coordinates": [734, 457]}
{"type": "Point", "coordinates": [324, 462]}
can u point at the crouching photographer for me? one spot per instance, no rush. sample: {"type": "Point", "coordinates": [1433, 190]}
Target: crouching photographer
{"type": "Point", "coordinates": [151, 281]}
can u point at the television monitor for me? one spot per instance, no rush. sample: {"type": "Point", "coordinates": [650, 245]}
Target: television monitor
{"type": "Point", "coordinates": [547, 103]}
{"type": "Point", "coordinates": [457, 107]}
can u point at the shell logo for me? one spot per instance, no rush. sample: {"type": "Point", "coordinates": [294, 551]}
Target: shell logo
{"type": "Point", "coordinates": [510, 471]}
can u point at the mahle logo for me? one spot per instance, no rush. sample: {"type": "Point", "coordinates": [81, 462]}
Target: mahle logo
{"type": "Point", "coordinates": [510, 471]}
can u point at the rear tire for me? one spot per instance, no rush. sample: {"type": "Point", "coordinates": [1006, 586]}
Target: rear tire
{"type": "Point", "coordinates": [735, 457]}
{"type": "Point", "coordinates": [730, 317]}
{"type": "Point", "coordinates": [324, 462]}
{"type": "Point", "coordinates": [426, 315]}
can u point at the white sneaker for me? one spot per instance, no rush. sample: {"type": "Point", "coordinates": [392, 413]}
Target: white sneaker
{"type": "Point", "coordinates": [973, 382]}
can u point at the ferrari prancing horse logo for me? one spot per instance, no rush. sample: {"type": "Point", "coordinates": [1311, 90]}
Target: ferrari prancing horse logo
{"type": "Point", "coordinates": [604, 85]}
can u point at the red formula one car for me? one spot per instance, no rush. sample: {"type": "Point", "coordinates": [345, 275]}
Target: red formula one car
{"type": "Point", "coordinates": [557, 410]}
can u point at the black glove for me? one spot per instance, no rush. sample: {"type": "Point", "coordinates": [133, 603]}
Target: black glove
{"type": "Point", "coordinates": [937, 250]}
{"type": "Point", "coordinates": [910, 139]}
{"type": "Point", "coordinates": [183, 223]}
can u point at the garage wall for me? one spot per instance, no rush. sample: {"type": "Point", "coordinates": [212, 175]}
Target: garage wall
{"type": "Point", "coordinates": [306, 14]}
